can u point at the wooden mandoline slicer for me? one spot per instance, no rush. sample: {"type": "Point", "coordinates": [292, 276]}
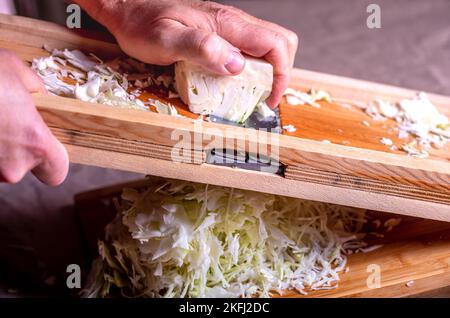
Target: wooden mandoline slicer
{"type": "Point", "coordinates": [354, 169]}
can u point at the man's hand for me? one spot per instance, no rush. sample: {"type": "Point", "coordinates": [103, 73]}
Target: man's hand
{"type": "Point", "coordinates": [26, 143]}
{"type": "Point", "coordinates": [209, 34]}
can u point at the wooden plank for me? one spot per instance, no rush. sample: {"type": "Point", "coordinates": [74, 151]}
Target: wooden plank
{"type": "Point", "coordinates": [425, 265]}
{"type": "Point", "coordinates": [416, 250]}
{"type": "Point", "coordinates": [145, 149]}
{"type": "Point", "coordinates": [144, 141]}
{"type": "Point", "coordinates": [436, 293]}
{"type": "Point", "coordinates": [262, 182]}
{"type": "Point", "coordinates": [314, 162]}
{"type": "Point", "coordinates": [351, 90]}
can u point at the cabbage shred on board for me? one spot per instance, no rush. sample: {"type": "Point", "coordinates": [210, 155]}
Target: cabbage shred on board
{"type": "Point", "coordinates": [73, 74]}
{"type": "Point", "coordinates": [183, 239]}
{"type": "Point", "coordinates": [418, 121]}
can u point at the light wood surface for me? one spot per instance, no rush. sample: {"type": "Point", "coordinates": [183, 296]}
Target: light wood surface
{"type": "Point", "coordinates": [356, 170]}
{"type": "Point", "coordinates": [416, 251]}
{"type": "Point", "coordinates": [257, 181]}
{"type": "Point", "coordinates": [347, 126]}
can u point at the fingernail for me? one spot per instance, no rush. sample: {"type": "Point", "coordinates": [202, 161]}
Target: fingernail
{"type": "Point", "coordinates": [235, 62]}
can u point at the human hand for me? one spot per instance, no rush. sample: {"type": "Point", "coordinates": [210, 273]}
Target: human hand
{"type": "Point", "coordinates": [206, 33]}
{"type": "Point", "coordinates": [26, 143]}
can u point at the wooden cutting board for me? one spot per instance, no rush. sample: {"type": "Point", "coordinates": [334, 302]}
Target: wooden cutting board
{"type": "Point", "coordinates": [414, 258]}
{"type": "Point", "coordinates": [354, 170]}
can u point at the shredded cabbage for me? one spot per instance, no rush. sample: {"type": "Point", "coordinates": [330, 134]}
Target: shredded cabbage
{"type": "Point", "coordinates": [417, 120]}
{"type": "Point", "coordinates": [95, 81]}
{"type": "Point", "coordinates": [185, 239]}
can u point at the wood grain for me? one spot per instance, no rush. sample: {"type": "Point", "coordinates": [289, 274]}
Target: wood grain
{"type": "Point", "coordinates": [426, 265]}
{"type": "Point", "coordinates": [360, 173]}
{"type": "Point", "coordinates": [262, 182]}
{"type": "Point", "coordinates": [145, 149]}
{"type": "Point", "coordinates": [345, 126]}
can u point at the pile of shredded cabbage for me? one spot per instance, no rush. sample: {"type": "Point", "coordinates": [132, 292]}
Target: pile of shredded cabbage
{"type": "Point", "coordinates": [95, 81]}
{"type": "Point", "coordinates": [183, 239]}
{"type": "Point", "coordinates": [118, 83]}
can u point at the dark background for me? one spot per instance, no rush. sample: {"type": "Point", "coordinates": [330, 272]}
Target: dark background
{"type": "Point", "coordinates": [38, 232]}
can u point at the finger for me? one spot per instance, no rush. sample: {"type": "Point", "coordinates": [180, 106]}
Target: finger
{"type": "Point", "coordinates": [281, 76]}
{"type": "Point", "coordinates": [53, 168]}
{"type": "Point", "coordinates": [12, 171]}
{"type": "Point", "coordinates": [260, 42]}
{"type": "Point", "coordinates": [203, 48]}
{"type": "Point", "coordinates": [18, 161]}
{"type": "Point", "coordinates": [291, 37]}
{"type": "Point", "coordinates": [32, 82]}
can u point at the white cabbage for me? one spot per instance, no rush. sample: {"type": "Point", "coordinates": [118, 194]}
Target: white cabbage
{"type": "Point", "coordinates": [295, 97]}
{"type": "Point", "coordinates": [230, 97]}
{"type": "Point", "coordinates": [264, 112]}
{"type": "Point", "coordinates": [183, 239]}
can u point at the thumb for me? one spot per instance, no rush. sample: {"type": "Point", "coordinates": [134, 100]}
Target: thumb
{"type": "Point", "coordinates": [208, 50]}
{"type": "Point", "coordinates": [30, 79]}
{"type": "Point", "coordinates": [54, 167]}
